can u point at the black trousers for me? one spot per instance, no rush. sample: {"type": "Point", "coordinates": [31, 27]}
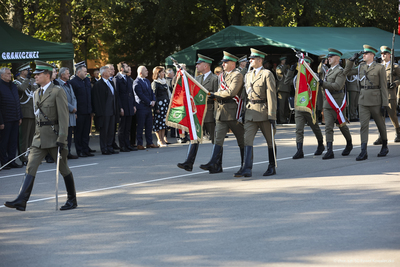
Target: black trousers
{"type": "Point", "coordinates": [133, 130]}
{"type": "Point", "coordinates": [70, 131]}
{"type": "Point", "coordinates": [107, 133]}
{"type": "Point", "coordinates": [82, 132]}
{"type": "Point", "coordinates": [8, 141]}
{"type": "Point", "coordinates": [124, 129]}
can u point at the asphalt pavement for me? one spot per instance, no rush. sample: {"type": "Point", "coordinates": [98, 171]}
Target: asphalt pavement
{"type": "Point", "coordinates": [140, 209]}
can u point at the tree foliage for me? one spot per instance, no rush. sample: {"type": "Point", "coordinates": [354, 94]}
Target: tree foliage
{"type": "Point", "coordinates": [147, 31]}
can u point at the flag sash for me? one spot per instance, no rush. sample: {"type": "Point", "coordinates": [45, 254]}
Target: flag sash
{"type": "Point", "coordinates": [238, 100]}
{"type": "Point", "coordinates": [336, 108]}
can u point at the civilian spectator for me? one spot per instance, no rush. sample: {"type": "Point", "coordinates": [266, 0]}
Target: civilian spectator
{"type": "Point", "coordinates": [63, 80]}
{"type": "Point", "coordinates": [160, 89]}
{"type": "Point", "coordinates": [145, 100]}
{"type": "Point", "coordinates": [82, 90]}
{"type": "Point", "coordinates": [95, 77]}
{"type": "Point", "coordinates": [105, 107]}
{"type": "Point", "coordinates": [127, 104]}
{"type": "Point", "coordinates": [10, 119]}
{"type": "Point", "coordinates": [111, 79]}
{"type": "Point", "coordinates": [134, 122]}
{"type": "Point", "coordinates": [217, 70]}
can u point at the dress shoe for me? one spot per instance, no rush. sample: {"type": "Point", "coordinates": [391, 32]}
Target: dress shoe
{"type": "Point", "coordinates": [140, 147]}
{"type": "Point", "coordinates": [92, 150]}
{"type": "Point", "coordinates": [113, 152]}
{"type": "Point", "coordinates": [131, 148]}
{"type": "Point", "coordinates": [14, 165]}
{"type": "Point", "coordinates": [115, 146]}
{"type": "Point", "coordinates": [151, 146]}
{"type": "Point", "coordinates": [49, 160]}
{"type": "Point", "coordinates": [88, 154]}
{"type": "Point", "coordinates": [106, 153]}
{"type": "Point", "coordinates": [7, 167]}
{"type": "Point", "coordinates": [82, 155]}
{"type": "Point", "coordinates": [70, 156]}
{"type": "Point", "coordinates": [124, 149]}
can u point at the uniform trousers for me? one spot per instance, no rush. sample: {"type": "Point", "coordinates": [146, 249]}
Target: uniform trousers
{"type": "Point", "coordinates": [330, 119]}
{"type": "Point", "coordinates": [251, 128]}
{"type": "Point", "coordinates": [392, 111]}
{"type": "Point", "coordinates": [36, 155]}
{"type": "Point", "coordinates": [210, 127]}
{"type": "Point", "coordinates": [8, 141]}
{"type": "Point", "coordinates": [283, 101]}
{"type": "Point", "coordinates": [353, 104]}
{"type": "Point", "coordinates": [222, 128]}
{"type": "Point", "coordinates": [124, 129]}
{"type": "Point", "coordinates": [301, 118]}
{"type": "Point", "coordinates": [70, 131]}
{"type": "Point", "coordinates": [82, 132]}
{"type": "Point", "coordinates": [365, 114]}
{"type": "Point", "coordinates": [133, 130]}
{"type": "Point", "coordinates": [27, 131]}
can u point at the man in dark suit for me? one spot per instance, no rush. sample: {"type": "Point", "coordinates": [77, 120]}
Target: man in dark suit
{"type": "Point", "coordinates": [10, 119]}
{"type": "Point", "coordinates": [82, 90]}
{"type": "Point", "coordinates": [105, 107]}
{"type": "Point", "coordinates": [126, 101]}
{"type": "Point", "coordinates": [145, 100]}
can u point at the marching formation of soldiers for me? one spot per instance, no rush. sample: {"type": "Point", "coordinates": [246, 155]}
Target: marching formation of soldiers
{"type": "Point", "coordinates": [242, 99]}
{"type": "Point", "coordinates": [365, 87]}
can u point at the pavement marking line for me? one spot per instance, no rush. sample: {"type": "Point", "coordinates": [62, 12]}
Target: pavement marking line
{"type": "Point", "coordinates": [73, 167]}
{"type": "Point", "coordinates": [155, 180]}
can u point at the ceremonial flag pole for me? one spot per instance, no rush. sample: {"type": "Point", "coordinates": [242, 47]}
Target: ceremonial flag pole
{"type": "Point", "coordinates": [57, 174]}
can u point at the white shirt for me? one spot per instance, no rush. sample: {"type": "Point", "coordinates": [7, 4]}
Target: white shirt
{"type": "Point", "coordinates": [258, 70]}
{"type": "Point", "coordinates": [206, 75]}
{"type": "Point", "coordinates": [109, 85]}
{"type": "Point", "coordinates": [45, 87]}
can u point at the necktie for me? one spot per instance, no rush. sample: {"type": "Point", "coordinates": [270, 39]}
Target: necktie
{"type": "Point", "coordinates": [254, 74]}
{"type": "Point", "coordinates": [110, 86]}
{"type": "Point", "coordinates": [40, 94]}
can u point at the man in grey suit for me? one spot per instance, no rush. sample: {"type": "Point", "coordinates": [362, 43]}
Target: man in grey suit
{"type": "Point", "coordinates": [63, 80]}
{"type": "Point", "coordinates": [209, 81]}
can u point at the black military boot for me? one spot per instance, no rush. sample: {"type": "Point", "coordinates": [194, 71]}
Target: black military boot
{"type": "Point", "coordinates": [397, 139]}
{"type": "Point", "coordinates": [378, 141]}
{"type": "Point", "coordinates": [271, 166]}
{"type": "Point", "coordinates": [248, 163]}
{"type": "Point", "coordinates": [299, 154]}
{"type": "Point", "coordinates": [329, 153]}
{"type": "Point", "coordinates": [320, 148]}
{"type": "Point", "coordinates": [191, 156]}
{"type": "Point", "coordinates": [215, 163]}
{"type": "Point", "coordinates": [348, 148]}
{"type": "Point", "coordinates": [363, 155]}
{"type": "Point", "coordinates": [24, 193]}
{"type": "Point", "coordinates": [71, 193]}
{"type": "Point", "coordinates": [239, 172]}
{"type": "Point", "coordinates": [384, 149]}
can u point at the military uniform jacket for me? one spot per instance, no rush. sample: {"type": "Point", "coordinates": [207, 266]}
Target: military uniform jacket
{"type": "Point", "coordinates": [227, 111]}
{"type": "Point", "coordinates": [334, 81]}
{"type": "Point", "coordinates": [396, 79]}
{"type": "Point", "coordinates": [281, 72]}
{"type": "Point", "coordinates": [54, 105]}
{"type": "Point", "coordinates": [370, 76]}
{"type": "Point", "coordinates": [352, 84]}
{"type": "Point", "coordinates": [243, 71]}
{"type": "Point", "coordinates": [211, 84]}
{"type": "Point", "coordinates": [262, 87]}
{"type": "Point", "coordinates": [22, 85]}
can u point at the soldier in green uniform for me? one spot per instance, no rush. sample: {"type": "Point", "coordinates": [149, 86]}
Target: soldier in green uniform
{"type": "Point", "coordinates": [260, 112]}
{"type": "Point", "coordinates": [283, 90]}
{"type": "Point", "coordinates": [391, 88]}
{"type": "Point", "coordinates": [334, 82]}
{"type": "Point", "coordinates": [228, 93]}
{"type": "Point", "coordinates": [373, 97]}
{"type": "Point", "coordinates": [353, 93]}
{"type": "Point", "coordinates": [303, 117]}
{"type": "Point", "coordinates": [26, 87]}
{"type": "Point", "coordinates": [243, 65]}
{"type": "Point", "coordinates": [209, 81]}
{"type": "Point", "coordinates": [51, 115]}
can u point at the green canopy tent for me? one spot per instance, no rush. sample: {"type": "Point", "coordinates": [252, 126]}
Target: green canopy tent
{"type": "Point", "coordinates": [280, 40]}
{"type": "Point", "coordinates": [18, 47]}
